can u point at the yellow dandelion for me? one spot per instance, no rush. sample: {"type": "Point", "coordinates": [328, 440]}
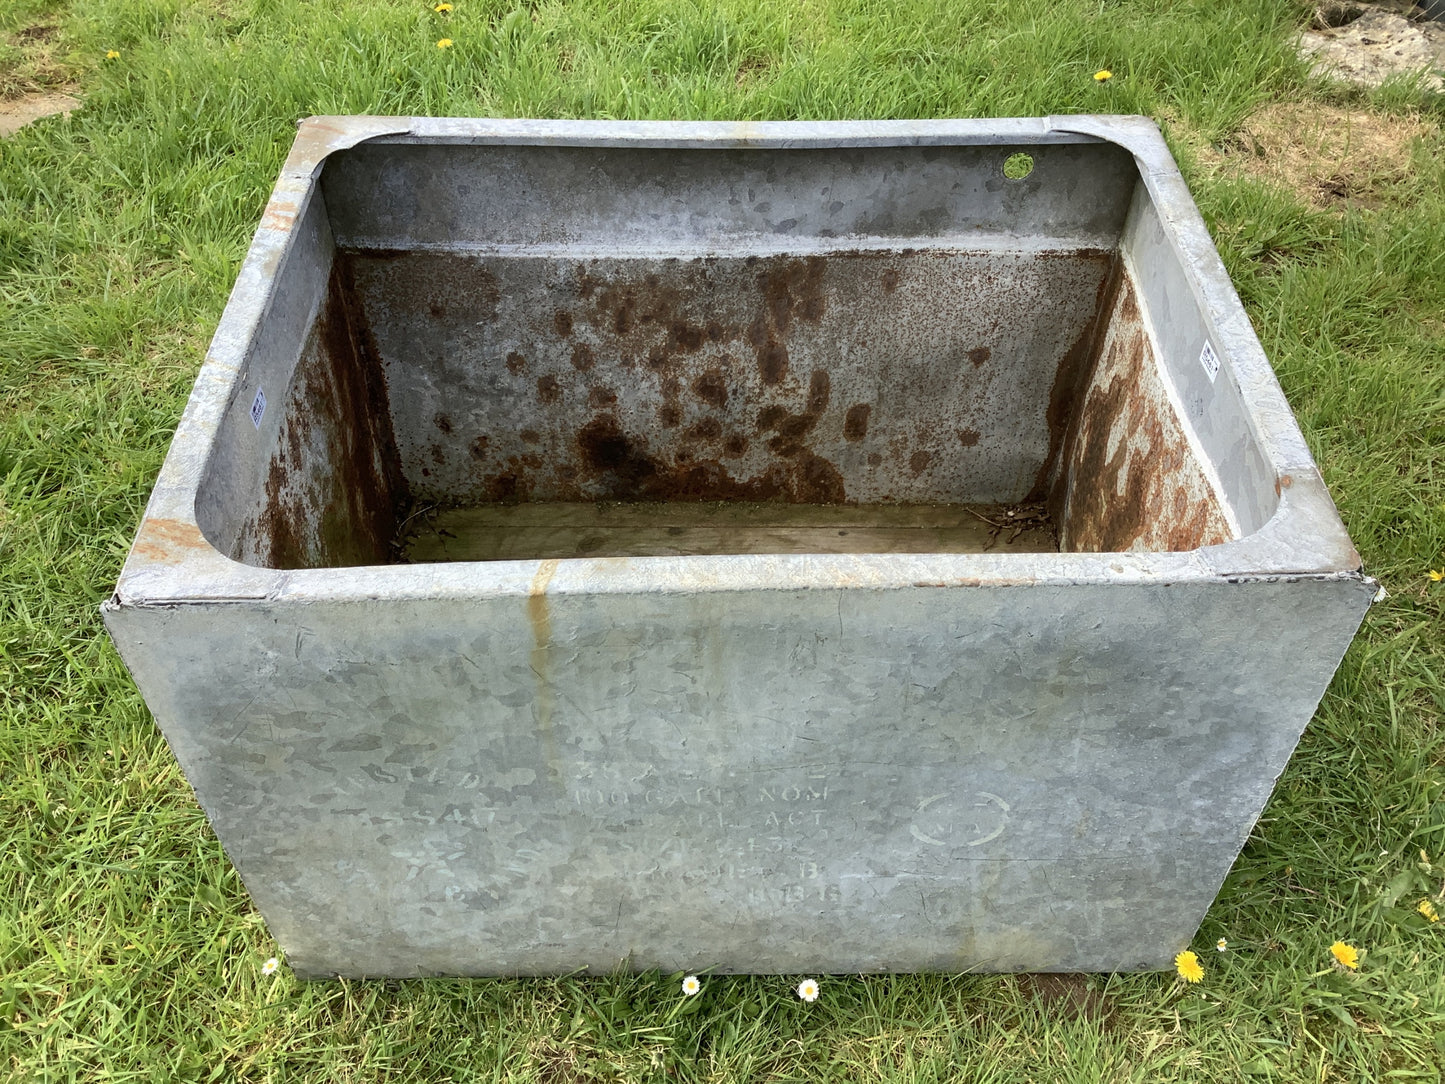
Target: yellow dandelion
{"type": "Point", "coordinates": [442, 7]}
{"type": "Point", "coordinates": [1427, 909]}
{"type": "Point", "coordinates": [1436, 575]}
{"type": "Point", "coordinates": [444, 43]}
{"type": "Point", "coordinates": [112, 54]}
{"type": "Point", "coordinates": [1187, 964]}
{"type": "Point", "coordinates": [1103, 76]}
{"type": "Point", "coordinates": [1346, 955]}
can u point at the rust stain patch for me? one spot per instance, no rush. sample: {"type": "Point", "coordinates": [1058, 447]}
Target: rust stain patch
{"type": "Point", "coordinates": [280, 214]}
{"type": "Point", "coordinates": [168, 541]}
{"type": "Point", "coordinates": [442, 284]}
{"type": "Point", "coordinates": [1068, 384]}
{"type": "Point", "coordinates": [540, 618]}
{"type": "Point", "coordinates": [793, 289]}
{"type": "Point", "coordinates": [711, 388]}
{"type": "Point", "coordinates": [644, 330]}
{"type": "Point", "coordinates": [333, 485]}
{"type": "Point", "coordinates": [855, 422]}
{"type": "Point", "coordinates": [1131, 481]}
{"type": "Point", "coordinates": [704, 432]}
{"type": "Point", "coordinates": [621, 463]}
{"type": "Point", "coordinates": [751, 378]}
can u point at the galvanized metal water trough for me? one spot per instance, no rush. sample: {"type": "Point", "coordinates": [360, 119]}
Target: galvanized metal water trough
{"type": "Point", "coordinates": [758, 547]}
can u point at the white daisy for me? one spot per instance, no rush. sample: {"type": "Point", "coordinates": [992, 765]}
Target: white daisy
{"type": "Point", "coordinates": [808, 989]}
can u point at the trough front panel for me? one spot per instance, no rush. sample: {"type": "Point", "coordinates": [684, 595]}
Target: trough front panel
{"type": "Point", "coordinates": [1011, 778]}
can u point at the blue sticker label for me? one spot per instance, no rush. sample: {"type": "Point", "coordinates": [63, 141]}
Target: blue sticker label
{"type": "Point", "coordinates": [258, 408]}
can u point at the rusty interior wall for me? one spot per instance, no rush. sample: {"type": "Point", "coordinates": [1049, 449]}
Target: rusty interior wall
{"type": "Point", "coordinates": [864, 377]}
{"type": "Point", "coordinates": [859, 377]}
{"type": "Point", "coordinates": [1129, 478]}
{"type": "Point", "coordinates": [333, 487]}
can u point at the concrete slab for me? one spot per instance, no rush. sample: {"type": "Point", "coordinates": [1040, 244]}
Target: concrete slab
{"type": "Point", "coordinates": [1377, 46]}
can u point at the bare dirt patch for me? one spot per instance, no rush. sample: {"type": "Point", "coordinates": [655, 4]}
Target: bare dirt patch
{"type": "Point", "coordinates": [1325, 155]}
{"type": "Point", "coordinates": [18, 112]}
{"type": "Point", "coordinates": [29, 65]}
{"type": "Point", "coordinates": [1069, 996]}
{"type": "Point", "coordinates": [36, 33]}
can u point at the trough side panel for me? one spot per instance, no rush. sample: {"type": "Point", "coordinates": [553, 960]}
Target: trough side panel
{"type": "Point", "coordinates": [986, 778]}
{"type": "Point", "coordinates": [245, 440]}
{"type": "Point", "coordinates": [1131, 479]}
{"type": "Point", "coordinates": [1193, 358]}
{"type": "Point", "coordinates": [332, 484]}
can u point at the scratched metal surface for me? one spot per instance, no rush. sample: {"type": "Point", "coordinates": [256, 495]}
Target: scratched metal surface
{"type": "Point", "coordinates": [822, 762]}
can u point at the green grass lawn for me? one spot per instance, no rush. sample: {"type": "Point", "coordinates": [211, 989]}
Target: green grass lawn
{"type": "Point", "coordinates": [128, 948]}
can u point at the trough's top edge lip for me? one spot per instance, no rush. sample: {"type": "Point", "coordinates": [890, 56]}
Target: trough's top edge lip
{"type": "Point", "coordinates": [321, 135]}
{"type": "Point", "coordinates": [172, 562]}
{"type": "Point", "coordinates": [661, 576]}
{"type": "Point", "coordinates": [362, 122]}
{"type": "Point", "coordinates": [172, 559]}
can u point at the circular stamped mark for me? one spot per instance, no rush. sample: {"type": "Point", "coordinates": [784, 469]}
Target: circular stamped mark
{"type": "Point", "coordinates": [945, 820]}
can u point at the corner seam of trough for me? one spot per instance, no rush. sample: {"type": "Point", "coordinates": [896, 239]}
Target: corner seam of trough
{"type": "Point", "coordinates": [1135, 133]}
{"type": "Point", "coordinates": [320, 136]}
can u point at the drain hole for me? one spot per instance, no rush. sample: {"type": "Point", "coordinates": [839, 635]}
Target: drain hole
{"type": "Point", "coordinates": [1018, 166]}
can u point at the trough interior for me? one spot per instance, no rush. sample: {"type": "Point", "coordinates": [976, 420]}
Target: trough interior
{"type": "Point", "coordinates": [492, 353]}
